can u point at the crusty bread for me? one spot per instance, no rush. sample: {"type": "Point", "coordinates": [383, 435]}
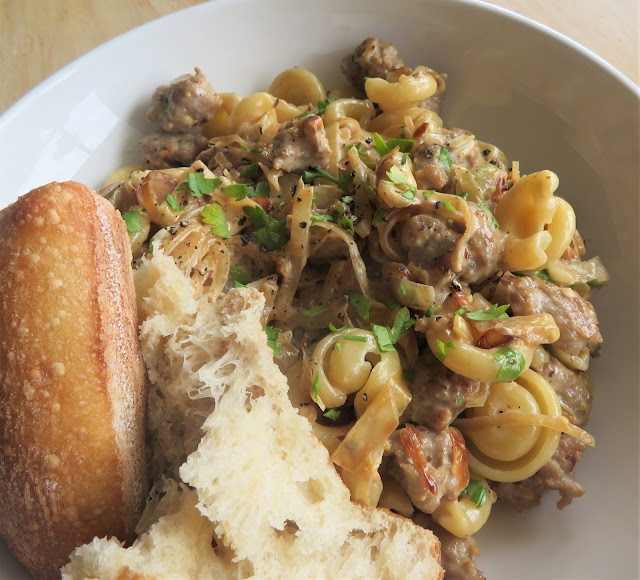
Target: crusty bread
{"type": "Point", "coordinates": [267, 494]}
{"type": "Point", "coordinates": [72, 384]}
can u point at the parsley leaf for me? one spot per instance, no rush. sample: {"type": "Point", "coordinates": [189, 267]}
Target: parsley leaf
{"type": "Point", "coordinates": [322, 105]}
{"type": "Point", "coordinates": [446, 203]}
{"type": "Point", "coordinates": [270, 231]}
{"type": "Point", "coordinates": [316, 380]}
{"type": "Point", "coordinates": [321, 218]}
{"type": "Point", "coordinates": [477, 492]}
{"type": "Point", "coordinates": [398, 178]}
{"type": "Point", "coordinates": [252, 149]}
{"type": "Point", "coordinates": [238, 191]}
{"type": "Point", "coordinates": [250, 171]}
{"type": "Point", "coordinates": [491, 313]}
{"type": "Point", "coordinates": [354, 337]}
{"type": "Point", "coordinates": [214, 216]}
{"type": "Point", "coordinates": [460, 311]}
{"type": "Point", "coordinates": [345, 223]}
{"type": "Point", "coordinates": [444, 158]}
{"type": "Point", "coordinates": [343, 181]}
{"type": "Point", "coordinates": [332, 414]}
{"type": "Point", "coordinates": [334, 329]}
{"type": "Point", "coordinates": [240, 277]}
{"type": "Point", "coordinates": [485, 208]}
{"type": "Point", "coordinates": [441, 353]}
{"type": "Point", "coordinates": [199, 185]}
{"type": "Point", "coordinates": [386, 337]}
{"type": "Point", "coordinates": [383, 338]}
{"type": "Point", "coordinates": [172, 203]}
{"type": "Point", "coordinates": [430, 311]}
{"type": "Point", "coordinates": [272, 339]}
{"type": "Point", "coordinates": [263, 189]}
{"type": "Point", "coordinates": [315, 310]}
{"type": "Point", "coordinates": [511, 364]}
{"type": "Point", "coordinates": [132, 221]}
{"type": "Point", "coordinates": [378, 217]}
{"type": "Point", "coordinates": [361, 303]}
{"type": "Point", "coordinates": [383, 148]}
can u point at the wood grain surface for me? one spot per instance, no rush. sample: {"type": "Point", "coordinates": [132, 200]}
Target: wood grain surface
{"type": "Point", "coordinates": [37, 37]}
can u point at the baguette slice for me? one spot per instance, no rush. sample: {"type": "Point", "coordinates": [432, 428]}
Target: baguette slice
{"type": "Point", "coordinates": [275, 504]}
{"type": "Point", "coordinates": [72, 383]}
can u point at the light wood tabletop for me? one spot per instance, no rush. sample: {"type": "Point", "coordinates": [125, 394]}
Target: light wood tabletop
{"type": "Point", "coordinates": [37, 37]}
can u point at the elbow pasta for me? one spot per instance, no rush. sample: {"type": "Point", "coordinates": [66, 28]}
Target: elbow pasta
{"type": "Point", "coordinates": [462, 517]}
{"type": "Point", "coordinates": [512, 452]}
{"type": "Point", "coordinates": [539, 225]}
{"type": "Point", "coordinates": [356, 225]}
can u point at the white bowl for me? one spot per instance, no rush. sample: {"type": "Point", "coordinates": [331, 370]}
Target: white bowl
{"type": "Point", "coordinates": [543, 99]}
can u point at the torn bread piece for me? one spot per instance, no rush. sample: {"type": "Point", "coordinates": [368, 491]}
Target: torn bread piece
{"type": "Point", "coordinates": [274, 501]}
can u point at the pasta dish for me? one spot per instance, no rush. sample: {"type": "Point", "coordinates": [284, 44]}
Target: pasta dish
{"type": "Point", "coordinates": [427, 302]}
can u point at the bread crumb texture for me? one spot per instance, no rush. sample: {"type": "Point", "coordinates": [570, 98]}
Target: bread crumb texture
{"type": "Point", "coordinates": [263, 499]}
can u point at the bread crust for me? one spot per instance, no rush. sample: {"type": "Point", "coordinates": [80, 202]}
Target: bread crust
{"type": "Point", "coordinates": [72, 380]}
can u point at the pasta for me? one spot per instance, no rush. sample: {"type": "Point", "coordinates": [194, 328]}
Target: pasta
{"type": "Point", "coordinates": [416, 283]}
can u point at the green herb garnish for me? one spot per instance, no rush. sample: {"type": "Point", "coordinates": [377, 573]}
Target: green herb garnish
{"type": "Point", "coordinates": [491, 313]}
{"type": "Point", "coordinates": [485, 208]}
{"type": "Point", "coordinates": [361, 303]}
{"type": "Point", "coordinates": [132, 221]}
{"type": "Point", "coordinates": [250, 171]}
{"type": "Point", "coordinates": [511, 364]}
{"type": "Point", "coordinates": [199, 185]}
{"type": "Point", "coordinates": [378, 217]}
{"type": "Point", "coordinates": [315, 310]}
{"type": "Point", "coordinates": [343, 181]}
{"type": "Point", "coordinates": [477, 492]}
{"type": "Point", "coordinates": [444, 158]}
{"type": "Point", "coordinates": [240, 277]}
{"type": "Point", "coordinates": [214, 216]}
{"type": "Point", "coordinates": [172, 203]}
{"type": "Point", "coordinates": [270, 231]}
{"type": "Point", "coordinates": [332, 414]}
{"type": "Point", "coordinates": [441, 353]}
{"type": "Point", "coordinates": [272, 339]}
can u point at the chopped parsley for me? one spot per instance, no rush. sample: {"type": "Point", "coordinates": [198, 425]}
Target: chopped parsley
{"type": "Point", "coordinates": [334, 329]}
{"type": "Point", "coordinates": [270, 231]}
{"type": "Point", "coordinates": [132, 221]}
{"type": "Point", "coordinates": [315, 310]}
{"type": "Point", "coordinates": [430, 311]}
{"type": "Point", "coordinates": [252, 149]}
{"type": "Point", "coordinates": [398, 178]}
{"type": "Point", "coordinates": [477, 492]}
{"type": "Point", "coordinates": [444, 158]}
{"type": "Point", "coordinates": [485, 208]}
{"type": "Point", "coordinates": [250, 171]}
{"type": "Point", "coordinates": [367, 188]}
{"type": "Point", "coordinates": [446, 203]}
{"type": "Point", "coordinates": [316, 380]}
{"type": "Point", "coordinates": [491, 313]}
{"type": "Point", "coordinates": [441, 353]}
{"type": "Point", "coordinates": [272, 339]}
{"type": "Point", "coordinates": [240, 276]}
{"type": "Point", "coordinates": [332, 414]}
{"type": "Point", "coordinates": [383, 148]}
{"type": "Point", "coordinates": [354, 337]}
{"type": "Point", "coordinates": [460, 311]}
{"type": "Point", "coordinates": [321, 218]}
{"type": "Point", "coordinates": [378, 217]}
{"type": "Point", "coordinates": [386, 337]}
{"type": "Point", "coordinates": [172, 203]}
{"type": "Point", "coordinates": [511, 364]}
{"type": "Point", "coordinates": [343, 181]}
{"type": "Point", "coordinates": [408, 374]}
{"type": "Point", "coordinates": [361, 303]}
{"type": "Point", "coordinates": [345, 223]}
{"type": "Point", "coordinates": [214, 216]}
{"type": "Point", "coordinates": [199, 185]}
{"type": "Point", "coordinates": [322, 107]}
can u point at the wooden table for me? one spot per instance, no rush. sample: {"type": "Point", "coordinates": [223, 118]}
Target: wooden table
{"type": "Point", "coordinates": [37, 37]}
